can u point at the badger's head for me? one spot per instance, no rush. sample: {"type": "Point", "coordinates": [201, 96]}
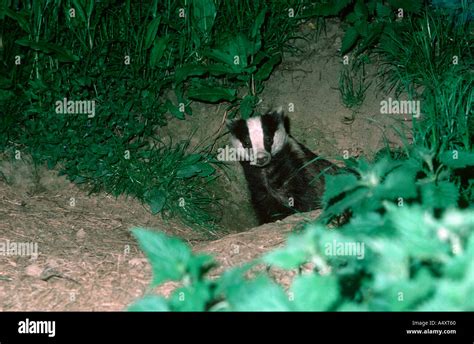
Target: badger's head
{"type": "Point", "coordinates": [259, 138]}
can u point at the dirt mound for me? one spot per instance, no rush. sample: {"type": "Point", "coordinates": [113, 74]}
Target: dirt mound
{"type": "Point", "coordinates": [86, 258]}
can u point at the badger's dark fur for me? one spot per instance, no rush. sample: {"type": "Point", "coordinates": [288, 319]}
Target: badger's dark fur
{"type": "Point", "coordinates": [285, 177]}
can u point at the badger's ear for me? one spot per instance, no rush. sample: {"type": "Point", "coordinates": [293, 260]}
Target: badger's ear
{"type": "Point", "coordinates": [279, 111]}
{"type": "Point", "coordinates": [282, 117]}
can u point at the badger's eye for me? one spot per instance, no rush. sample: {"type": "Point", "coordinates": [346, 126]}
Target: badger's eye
{"type": "Point", "coordinates": [269, 139]}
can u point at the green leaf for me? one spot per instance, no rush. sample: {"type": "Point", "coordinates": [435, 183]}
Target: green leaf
{"type": "Point", "coordinates": [264, 72]}
{"type": "Point", "coordinates": [457, 159]}
{"type": "Point", "coordinates": [204, 14]}
{"type": "Point", "coordinates": [62, 54]}
{"type": "Point", "coordinates": [20, 17]}
{"type": "Point", "coordinates": [174, 110]}
{"type": "Point", "coordinates": [78, 7]}
{"type": "Point", "coordinates": [352, 199]}
{"type": "Point", "coordinates": [260, 294]}
{"type": "Point", "coordinates": [314, 292]}
{"type": "Point", "coordinates": [205, 169]}
{"type": "Point", "coordinates": [296, 252]}
{"type": "Point", "coordinates": [235, 52]}
{"type": "Point", "coordinates": [257, 24]}
{"type": "Point", "coordinates": [191, 298]}
{"type": "Point", "coordinates": [337, 184]}
{"type": "Point", "coordinates": [443, 195]}
{"type": "Point", "coordinates": [247, 106]}
{"type": "Point", "coordinates": [168, 256]}
{"type": "Point", "coordinates": [192, 159]}
{"type": "Point", "coordinates": [158, 50]}
{"type": "Point", "coordinates": [189, 70]}
{"type": "Point", "coordinates": [151, 32]}
{"type": "Point", "coordinates": [350, 38]}
{"type": "Point", "coordinates": [383, 11]}
{"type": "Point", "coordinates": [212, 94]}
{"type": "Point", "coordinates": [404, 294]}
{"type": "Point", "coordinates": [360, 9]}
{"type": "Point", "coordinates": [199, 265]}
{"type": "Point", "coordinates": [399, 182]}
{"type": "Point", "coordinates": [156, 199]}
{"type": "Point", "coordinates": [150, 303]}
{"type": "Point", "coordinates": [233, 278]}
{"type": "Point", "coordinates": [188, 171]}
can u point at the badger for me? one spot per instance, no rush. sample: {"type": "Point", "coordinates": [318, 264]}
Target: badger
{"type": "Point", "coordinates": [283, 176]}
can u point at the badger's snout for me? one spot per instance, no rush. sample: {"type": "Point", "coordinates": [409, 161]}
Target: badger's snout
{"type": "Point", "coordinates": [261, 159]}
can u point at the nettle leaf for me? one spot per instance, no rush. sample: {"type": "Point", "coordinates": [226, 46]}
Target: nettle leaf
{"type": "Point", "coordinates": [169, 257]}
{"type": "Point", "coordinates": [403, 293]}
{"type": "Point", "coordinates": [286, 258]}
{"type": "Point", "coordinates": [296, 252]}
{"type": "Point", "coordinates": [151, 32]}
{"type": "Point", "coordinates": [398, 183]}
{"type": "Point", "coordinates": [150, 303]}
{"type": "Point", "coordinates": [191, 298]}
{"type": "Point", "coordinates": [351, 199]}
{"type": "Point", "coordinates": [443, 195]}
{"type": "Point", "coordinates": [457, 159]}
{"type": "Point", "coordinates": [259, 294]}
{"type": "Point", "coordinates": [212, 94]}
{"type": "Point", "coordinates": [337, 184]}
{"type": "Point", "coordinates": [233, 277]}
{"type": "Point", "coordinates": [199, 265]}
{"type": "Point", "coordinates": [417, 236]}
{"type": "Point", "coordinates": [314, 292]}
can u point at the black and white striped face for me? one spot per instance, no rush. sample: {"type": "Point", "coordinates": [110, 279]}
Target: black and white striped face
{"type": "Point", "coordinates": [262, 136]}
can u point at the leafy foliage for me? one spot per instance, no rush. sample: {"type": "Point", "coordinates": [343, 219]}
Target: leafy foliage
{"type": "Point", "coordinates": [407, 246]}
{"type": "Point", "coordinates": [402, 258]}
{"type": "Point", "coordinates": [366, 20]}
{"type": "Point", "coordinates": [430, 58]}
{"type": "Point", "coordinates": [141, 64]}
